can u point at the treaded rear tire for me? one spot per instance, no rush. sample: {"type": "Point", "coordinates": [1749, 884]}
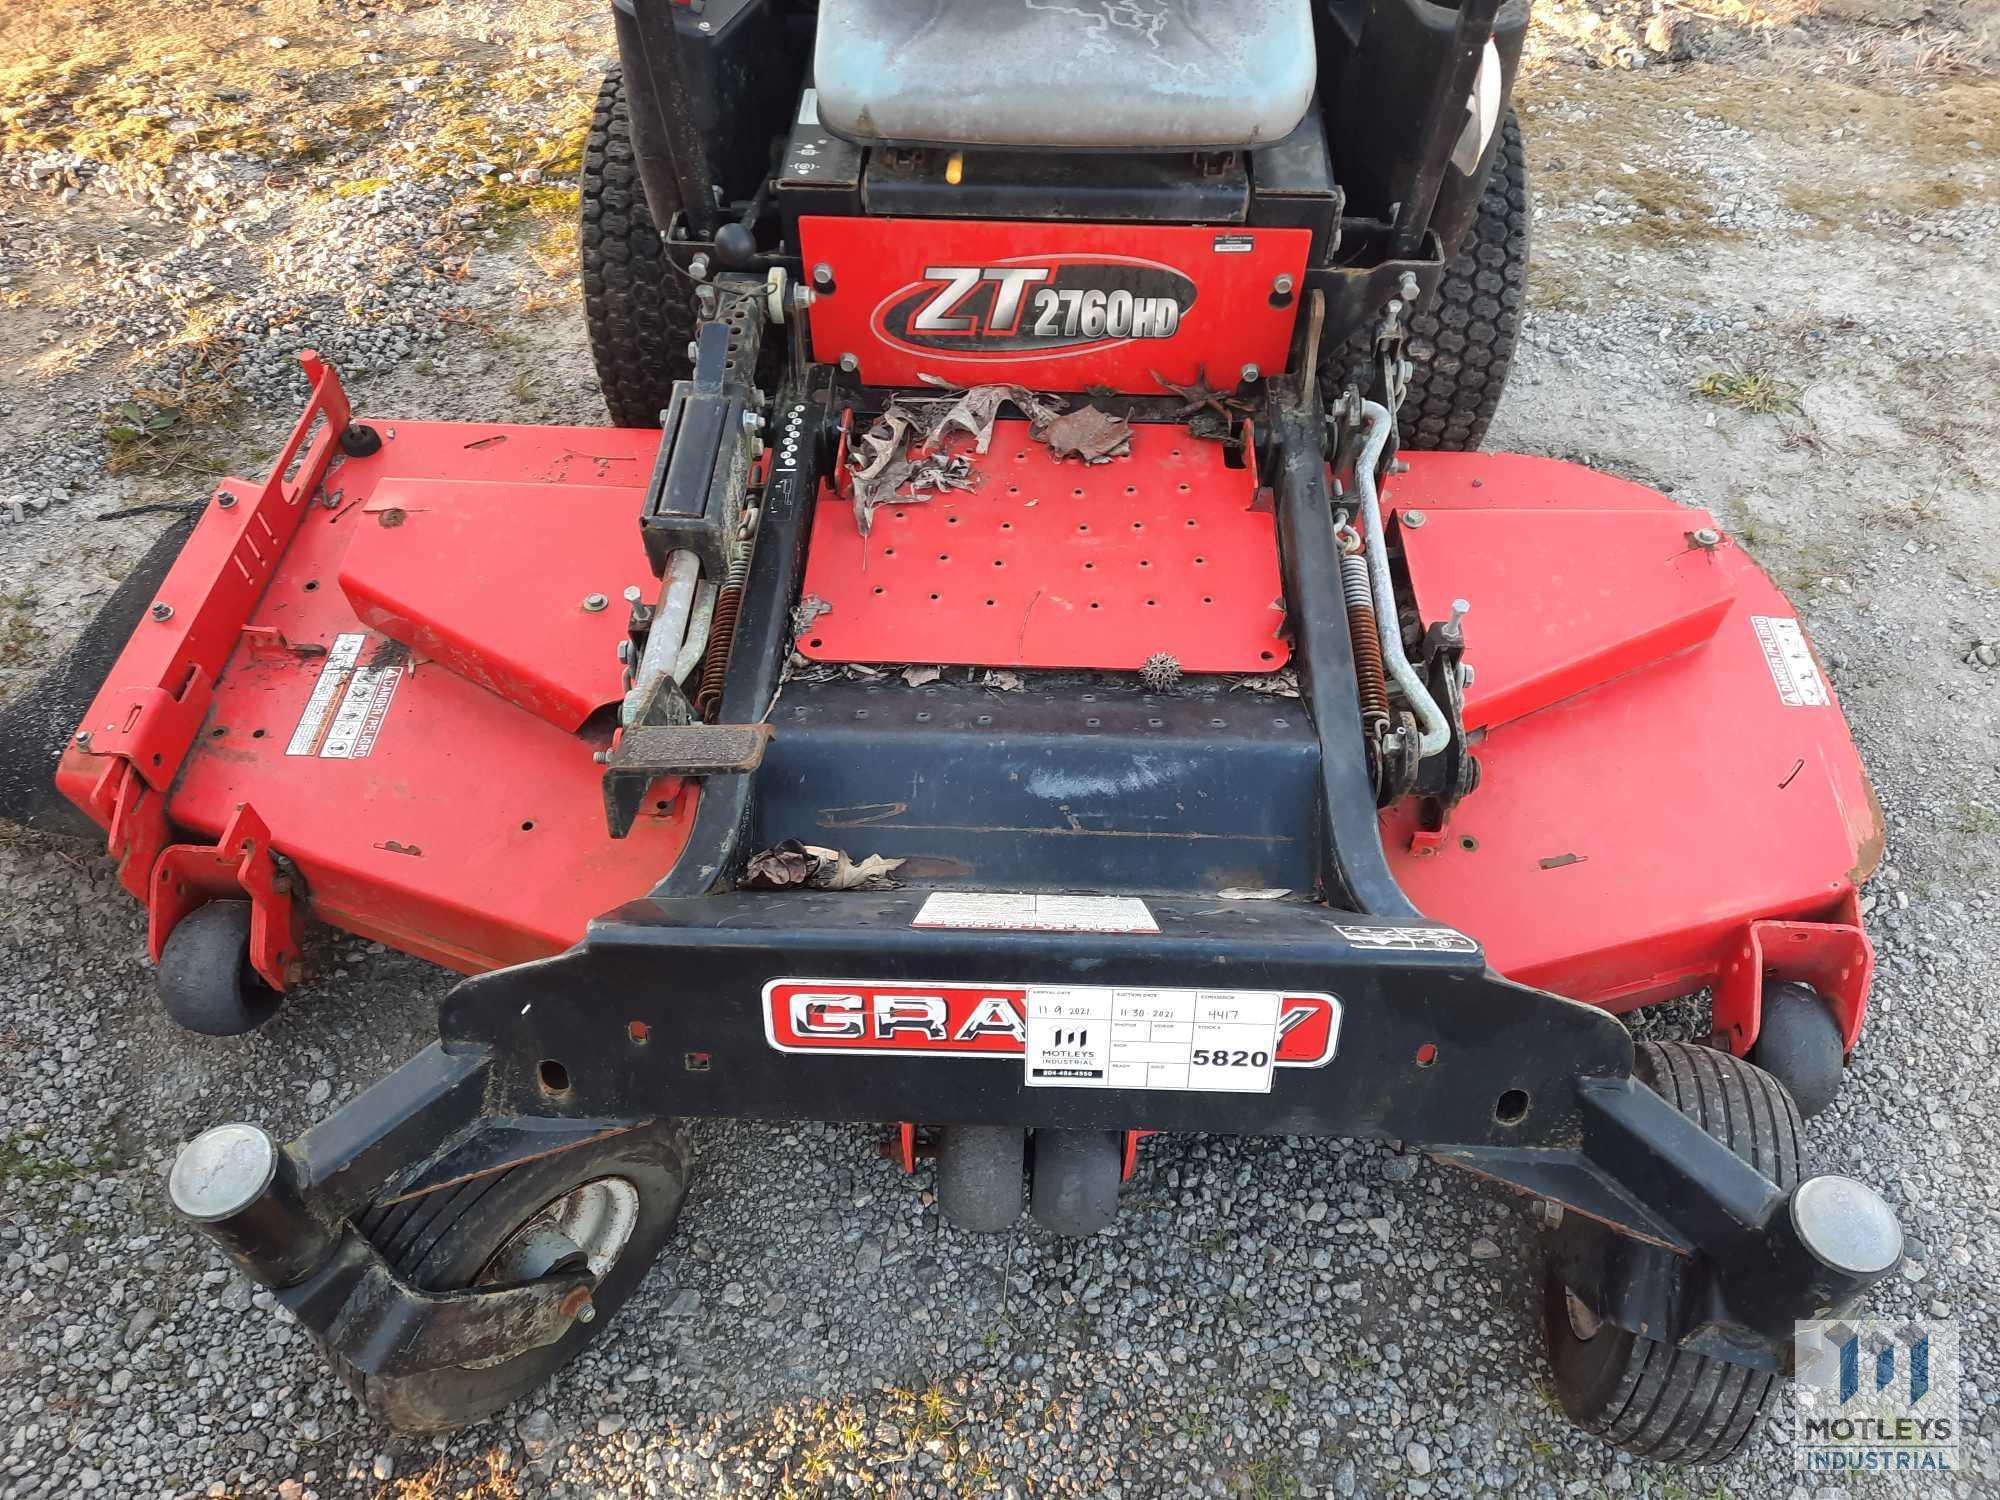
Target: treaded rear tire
{"type": "Point", "coordinates": [1461, 342]}
{"type": "Point", "coordinates": [440, 1241]}
{"type": "Point", "coordinates": [637, 310]}
{"type": "Point", "coordinates": [1646, 1397]}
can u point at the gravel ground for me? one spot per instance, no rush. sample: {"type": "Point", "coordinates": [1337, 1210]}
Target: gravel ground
{"type": "Point", "coordinates": [1797, 216]}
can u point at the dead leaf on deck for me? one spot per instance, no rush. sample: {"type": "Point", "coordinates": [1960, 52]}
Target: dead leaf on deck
{"type": "Point", "coordinates": [919, 676]}
{"type": "Point", "coordinates": [1094, 436]}
{"type": "Point", "coordinates": [792, 865]}
{"type": "Point", "coordinates": [1004, 681]}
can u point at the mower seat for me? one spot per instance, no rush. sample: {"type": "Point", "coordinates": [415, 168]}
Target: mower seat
{"type": "Point", "coordinates": [1093, 75]}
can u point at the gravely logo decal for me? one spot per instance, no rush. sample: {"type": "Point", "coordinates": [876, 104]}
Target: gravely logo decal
{"type": "Point", "coordinates": [1036, 304]}
{"type": "Point", "coordinates": [965, 1020]}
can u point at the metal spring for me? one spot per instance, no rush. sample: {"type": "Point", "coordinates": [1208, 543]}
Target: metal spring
{"type": "Point", "coordinates": [721, 634]}
{"type": "Point", "coordinates": [1374, 688]}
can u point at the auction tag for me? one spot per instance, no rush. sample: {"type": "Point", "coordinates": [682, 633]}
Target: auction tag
{"type": "Point", "coordinates": [1099, 1037]}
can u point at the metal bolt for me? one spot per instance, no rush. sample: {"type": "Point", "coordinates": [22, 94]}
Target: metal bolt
{"type": "Point", "coordinates": [694, 349]}
{"type": "Point", "coordinates": [163, 611]}
{"type": "Point", "coordinates": [595, 602]}
{"type": "Point", "coordinates": [625, 651]}
{"type": "Point", "coordinates": [588, 1313]}
{"type": "Point", "coordinates": [698, 268]}
{"type": "Point", "coordinates": [1706, 536]}
{"type": "Point", "coordinates": [1283, 286]}
{"type": "Point", "coordinates": [224, 499]}
{"type": "Point", "coordinates": [822, 275]}
{"type": "Point", "coordinates": [1251, 374]}
{"type": "Point", "coordinates": [1408, 287]}
{"type": "Point", "coordinates": [633, 593]}
{"type": "Point", "coordinates": [1412, 520]}
{"type": "Point", "coordinates": [83, 739]}
{"type": "Point", "coordinates": [1459, 610]}
{"type": "Point", "coordinates": [850, 364]}
{"type": "Point", "coordinates": [753, 421]}
{"type": "Point", "coordinates": [803, 297]}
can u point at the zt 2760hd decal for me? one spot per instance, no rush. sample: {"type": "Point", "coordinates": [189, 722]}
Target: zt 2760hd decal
{"type": "Point", "coordinates": [1043, 305]}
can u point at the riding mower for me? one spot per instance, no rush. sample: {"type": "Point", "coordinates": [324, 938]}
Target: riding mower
{"type": "Point", "coordinates": [1037, 661]}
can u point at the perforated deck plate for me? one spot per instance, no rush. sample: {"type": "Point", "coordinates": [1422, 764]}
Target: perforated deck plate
{"type": "Point", "coordinates": [1050, 564]}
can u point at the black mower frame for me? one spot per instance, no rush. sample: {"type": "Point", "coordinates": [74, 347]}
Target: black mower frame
{"type": "Point", "coordinates": [659, 1012]}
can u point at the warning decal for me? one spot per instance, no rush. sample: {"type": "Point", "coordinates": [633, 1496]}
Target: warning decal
{"type": "Point", "coordinates": [1008, 911]}
{"type": "Point", "coordinates": [348, 704]}
{"type": "Point", "coordinates": [1791, 662]}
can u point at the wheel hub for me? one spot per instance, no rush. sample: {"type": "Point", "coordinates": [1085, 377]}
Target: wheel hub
{"type": "Point", "coordinates": [588, 1225]}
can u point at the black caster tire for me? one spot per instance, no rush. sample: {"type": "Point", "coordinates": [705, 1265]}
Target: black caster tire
{"type": "Point", "coordinates": [205, 981]}
{"type": "Point", "coordinates": [982, 1176]}
{"type": "Point", "coordinates": [632, 1183]}
{"type": "Point", "coordinates": [1077, 1174]}
{"type": "Point", "coordinates": [1650, 1398]}
{"type": "Point", "coordinates": [1798, 1042]}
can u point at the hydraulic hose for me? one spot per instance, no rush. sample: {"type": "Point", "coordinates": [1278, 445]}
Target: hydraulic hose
{"type": "Point", "coordinates": [1436, 733]}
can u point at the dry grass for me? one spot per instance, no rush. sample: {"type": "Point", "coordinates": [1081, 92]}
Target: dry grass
{"type": "Point", "coordinates": [160, 430]}
{"type": "Point", "coordinates": [1581, 141]}
{"type": "Point", "coordinates": [1755, 391]}
{"type": "Point", "coordinates": [496, 1484]}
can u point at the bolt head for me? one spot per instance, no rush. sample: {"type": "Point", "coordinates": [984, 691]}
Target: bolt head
{"type": "Point", "coordinates": [1408, 286]}
{"type": "Point", "coordinates": [822, 275]}
{"type": "Point", "coordinates": [83, 738]}
{"type": "Point", "coordinates": [850, 363]}
{"type": "Point", "coordinates": [1283, 286]}
{"type": "Point", "coordinates": [595, 602]}
{"type": "Point", "coordinates": [588, 1313]}
{"type": "Point", "coordinates": [1251, 374]}
{"type": "Point", "coordinates": [162, 611]}
{"type": "Point", "coordinates": [633, 594]}
{"type": "Point", "coordinates": [1412, 520]}
{"type": "Point", "coordinates": [698, 268]}
{"type": "Point", "coordinates": [224, 499]}
{"type": "Point", "coordinates": [1706, 536]}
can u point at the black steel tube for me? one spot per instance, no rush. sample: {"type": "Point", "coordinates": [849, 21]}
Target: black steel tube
{"type": "Point", "coordinates": [1443, 120]}
{"type": "Point", "coordinates": [672, 157]}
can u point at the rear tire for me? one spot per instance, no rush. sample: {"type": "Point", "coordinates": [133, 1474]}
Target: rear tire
{"type": "Point", "coordinates": [638, 310]}
{"type": "Point", "coordinates": [443, 1240]}
{"type": "Point", "coordinates": [1650, 1398]}
{"type": "Point", "coordinates": [1461, 341]}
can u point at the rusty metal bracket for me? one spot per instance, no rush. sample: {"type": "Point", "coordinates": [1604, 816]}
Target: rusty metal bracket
{"type": "Point", "coordinates": [1835, 958]}
{"type": "Point", "coordinates": [239, 864]}
{"type": "Point", "coordinates": [144, 720]}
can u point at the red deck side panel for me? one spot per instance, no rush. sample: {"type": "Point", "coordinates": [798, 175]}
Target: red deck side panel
{"type": "Point", "coordinates": [1623, 837]}
{"type": "Point", "coordinates": [472, 831]}
{"type": "Point", "coordinates": [483, 578]}
{"type": "Point", "coordinates": [1049, 564]}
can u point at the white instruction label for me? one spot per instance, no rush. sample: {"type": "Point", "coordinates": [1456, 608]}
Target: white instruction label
{"type": "Point", "coordinates": [1791, 662]}
{"type": "Point", "coordinates": [1100, 1037]}
{"type": "Point", "coordinates": [1012, 911]}
{"type": "Point", "coordinates": [348, 704]}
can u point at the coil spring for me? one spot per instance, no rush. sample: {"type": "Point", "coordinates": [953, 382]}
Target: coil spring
{"type": "Point", "coordinates": [721, 634]}
{"type": "Point", "coordinates": [1374, 688]}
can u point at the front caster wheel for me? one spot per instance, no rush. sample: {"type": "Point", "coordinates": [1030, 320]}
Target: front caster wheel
{"type": "Point", "coordinates": [613, 1202]}
{"type": "Point", "coordinates": [1798, 1042]}
{"type": "Point", "coordinates": [206, 982]}
{"type": "Point", "coordinates": [1651, 1398]}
